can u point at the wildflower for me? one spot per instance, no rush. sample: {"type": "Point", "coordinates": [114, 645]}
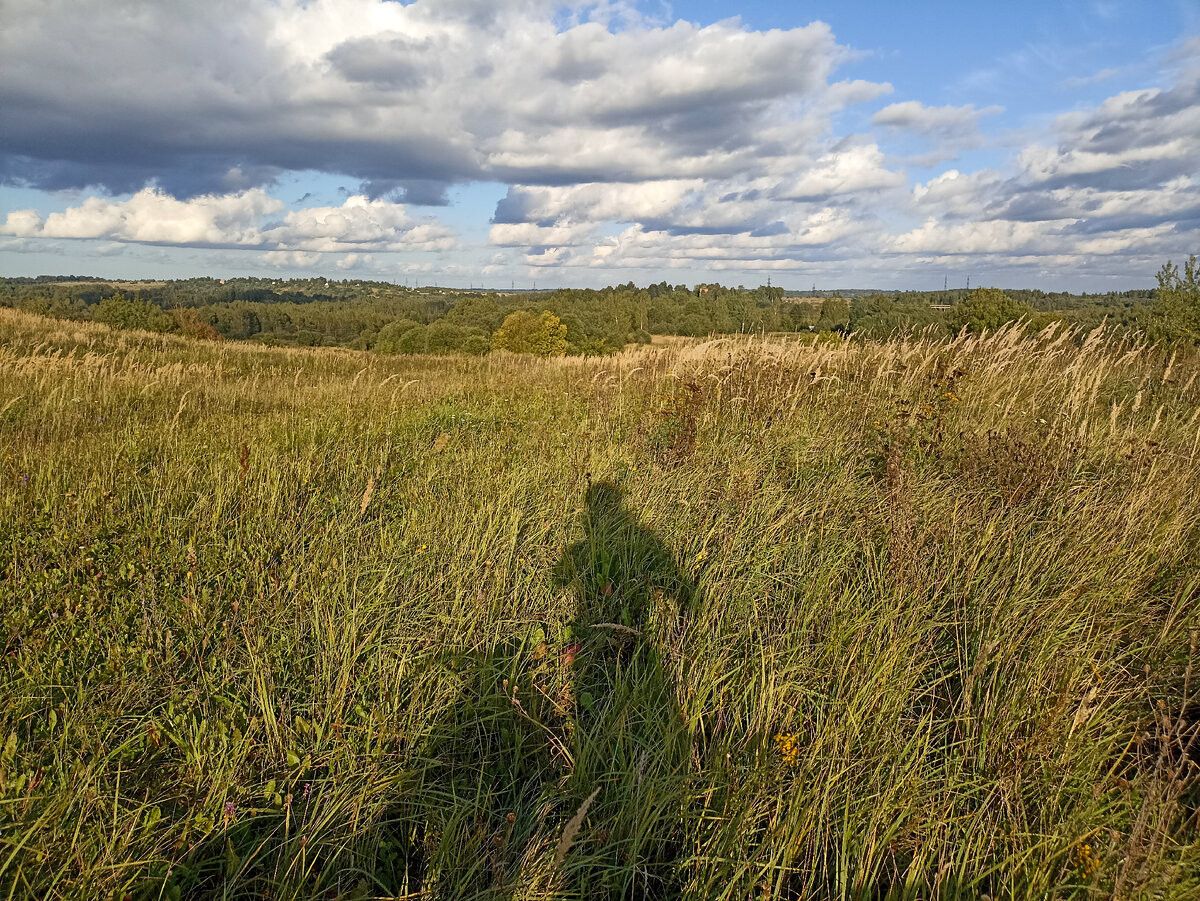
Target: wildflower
{"type": "Point", "coordinates": [788, 747]}
{"type": "Point", "coordinates": [230, 812]}
{"type": "Point", "coordinates": [1085, 859]}
{"type": "Point", "coordinates": [307, 790]}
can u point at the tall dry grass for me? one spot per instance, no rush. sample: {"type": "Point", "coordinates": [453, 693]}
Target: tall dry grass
{"type": "Point", "coordinates": [747, 618]}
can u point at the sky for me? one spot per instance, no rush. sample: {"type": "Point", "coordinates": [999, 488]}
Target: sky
{"type": "Point", "coordinates": [499, 143]}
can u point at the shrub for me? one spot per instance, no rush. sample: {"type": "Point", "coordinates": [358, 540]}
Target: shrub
{"type": "Point", "coordinates": [987, 308]}
{"type": "Point", "coordinates": [524, 333]}
{"type": "Point", "coordinates": [387, 341]}
{"type": "Point", "coordinates": [1177, 302]}
{"type": "Point", "coordinates": [119, 311]}
{"type": "Point", "coordinates": [192, 326]}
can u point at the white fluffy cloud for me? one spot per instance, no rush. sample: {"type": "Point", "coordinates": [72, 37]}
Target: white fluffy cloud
{"type": "Point", "coordinates": [226, 95]}
{"type": "Point", "coordinates": [1119, 181]}
{"type": "Point", "coordinates": [235, 220]}
{"type": "Point", "coordinates": [849, 171]}
{"type": "Point", "coordinates": [625, 142]}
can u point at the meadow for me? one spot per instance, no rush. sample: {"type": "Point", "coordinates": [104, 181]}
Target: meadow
{"type": "Point", "coordinates": [744, 618]}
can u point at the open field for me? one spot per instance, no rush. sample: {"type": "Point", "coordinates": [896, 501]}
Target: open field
{"type": "Point", "coordinates": [743, 619]}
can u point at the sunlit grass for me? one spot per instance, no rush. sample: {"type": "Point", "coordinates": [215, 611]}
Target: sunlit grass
{"type": "Point", "coordinates": [907, 619]}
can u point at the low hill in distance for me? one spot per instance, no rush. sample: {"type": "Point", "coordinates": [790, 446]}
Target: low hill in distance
{"type": "Point", "coordinates": [388, 318]}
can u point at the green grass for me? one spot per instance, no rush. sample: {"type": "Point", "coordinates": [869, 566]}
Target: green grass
{"type": "Point", "coordinates": [745, 619]}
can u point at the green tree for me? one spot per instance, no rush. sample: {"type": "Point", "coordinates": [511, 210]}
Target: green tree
{"type": "Point", "coordinates": [388, 339]}
{"type": "Point", "coordinates": [118, 311]}
{"type": "Point", "coordinates": [525, 333]}
{"type": "Point", "coordinates": [835, 315]}
{"type": "Point", "coordinates": [1177, 301]}
{"type": "Point", "coordinates": [987, 308]}
{"type": "Point", "coordinates": [441, 338]}
{"type": "Point", "coordinates": [413, 341]}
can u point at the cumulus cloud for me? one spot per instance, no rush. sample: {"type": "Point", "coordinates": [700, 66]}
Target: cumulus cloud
{"type": "Point", "coordinates": [593, 202]}
{"type": "Point", "coordinates": [222, 96]}
{"type": "Point", "coordinates": [1118, 180]}
{"type": "Point", "coordinates": [626, 141]}
{"type": "Point", "coordinates": [151, 217]}
{"type": "Point", "coordinates": [1133, 140]}
{"type": "Point", "coordinates": [849, 171]}
{"type": "Point", "coordinates": [235, 221]}
{"type": "Point", "coordinates": [937, 121]}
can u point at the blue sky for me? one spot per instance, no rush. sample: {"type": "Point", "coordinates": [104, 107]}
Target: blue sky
{"type": "Point", "coordinates": [487, 142]}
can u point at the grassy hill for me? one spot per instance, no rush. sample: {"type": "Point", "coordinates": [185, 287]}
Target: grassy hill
{"type": "Point", "coordinates": [740, 619]}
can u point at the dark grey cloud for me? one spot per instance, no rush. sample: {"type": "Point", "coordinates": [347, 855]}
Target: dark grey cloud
{"type": "Point", "coordinates": [715, 144]}
{"type": "Point", "coordinates": [405, 98]}
{"type": "Point", "coordinates": [515, 206]}
{"type": "Point", "coordinates": [1185, 218]}
{"type": "Point", "coordinates": [396, 63]}
{"type": "Point", "coordinates": [423, 192]}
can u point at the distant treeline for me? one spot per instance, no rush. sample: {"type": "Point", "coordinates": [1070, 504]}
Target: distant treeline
{"type": "Point", "coordinates": [391, 318]}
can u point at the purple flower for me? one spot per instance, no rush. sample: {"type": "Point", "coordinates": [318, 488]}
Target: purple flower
{"type": "Point", "coordinates": [307, 790]}
{"type": "Point", "coordinates": [230, 810]}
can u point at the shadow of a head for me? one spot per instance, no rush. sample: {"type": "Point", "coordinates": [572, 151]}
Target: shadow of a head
{"type": "Point", "coordinates": [603, 498]}
{"type": "Point", "coordinates": [622, 557]}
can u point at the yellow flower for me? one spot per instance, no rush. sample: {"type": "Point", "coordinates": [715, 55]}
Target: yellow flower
{"type": "Point", "coordinates": [788, 746]}
{"type": "Point", "coordinates": [1085, 859]}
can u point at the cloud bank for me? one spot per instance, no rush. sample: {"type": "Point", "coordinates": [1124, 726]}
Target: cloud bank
{"type": "Point", "coordinates": [626, 143]}
{"type": "Point", "coordinates": [235, 221]}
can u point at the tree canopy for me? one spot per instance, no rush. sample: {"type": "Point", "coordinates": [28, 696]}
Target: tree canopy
{"type": "Point", "coordinates": [524, 333]}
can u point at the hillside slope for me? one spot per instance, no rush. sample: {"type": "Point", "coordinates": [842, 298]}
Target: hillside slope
{"type": "Point", "coordinates": [742, 619]}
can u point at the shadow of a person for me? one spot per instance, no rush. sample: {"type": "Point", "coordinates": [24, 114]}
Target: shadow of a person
{"type": "Point", "coordinates": [627, 737]}
{"type": "Point", "coordinates": [532, 734]}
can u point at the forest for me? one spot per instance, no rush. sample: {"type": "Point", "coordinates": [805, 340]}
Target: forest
{"type": "Point", "coordinates": [389, 318]}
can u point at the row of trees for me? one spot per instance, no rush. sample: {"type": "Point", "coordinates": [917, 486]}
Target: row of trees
{"type": "Point", "coordinates": [394, 319]}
